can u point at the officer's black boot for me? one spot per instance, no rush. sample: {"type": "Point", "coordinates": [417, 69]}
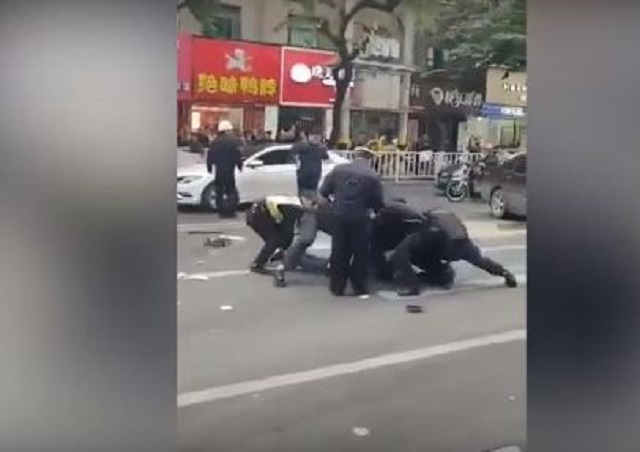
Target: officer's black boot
{"type": "Point", "coordinates": [510, 279]}
{"type": "Point", "coordinates": [259, 269]}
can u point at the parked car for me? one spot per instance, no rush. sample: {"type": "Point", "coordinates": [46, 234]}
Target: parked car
{"type": "Point", "coordinates": [268, 169]}
{"type": "Point", "coordinates": [187, 157]}
{"type": "Point", "coordinates": [505, 187]}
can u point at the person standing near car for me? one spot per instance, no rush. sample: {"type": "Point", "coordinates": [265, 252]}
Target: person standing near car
{"type": "Point", "coordinates": [356, 191]}
{"type": "Point", "coordinates": [310, 155]}
{"type": "Point", "coordinates": [224, 154]}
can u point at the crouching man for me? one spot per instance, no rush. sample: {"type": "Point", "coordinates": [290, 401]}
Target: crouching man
{"type": "Point", "coordinates": [441, 239]}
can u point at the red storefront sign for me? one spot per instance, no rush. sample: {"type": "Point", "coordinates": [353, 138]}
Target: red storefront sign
{"type": "Point", "coordinates": [306, 77]}
{"type": "Point", "coordinates": [235, 72]}
{"type": "Point", "coordinates": [184, 66]}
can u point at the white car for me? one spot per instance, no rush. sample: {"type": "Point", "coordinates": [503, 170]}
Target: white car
{"type": "Point", "coordinates": [267, 170]}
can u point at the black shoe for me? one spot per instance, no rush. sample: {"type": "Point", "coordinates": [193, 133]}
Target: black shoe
{"type": "Point", "coordinates": [258, 269]}
{"type": "Point", "coordinates": [510, 280]}
{"type": "Point", "coordinates": [279, 279]}
{"type": "Point", "coordinates": [408, 292]}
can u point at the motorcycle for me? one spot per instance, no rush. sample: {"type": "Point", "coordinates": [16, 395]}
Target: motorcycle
{"type": "Point", "coordinates": [461, 185]}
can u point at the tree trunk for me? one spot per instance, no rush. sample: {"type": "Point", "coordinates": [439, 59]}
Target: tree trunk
{"type": "Point", "coordinates": [342, 87]}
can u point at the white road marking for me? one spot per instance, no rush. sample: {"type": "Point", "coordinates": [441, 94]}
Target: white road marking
{"type": "Point", "coordinates": [186, 227]}
{"type": "Point", "coordinates": [322, 373]}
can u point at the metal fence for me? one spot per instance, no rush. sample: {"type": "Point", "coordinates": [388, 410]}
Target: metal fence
{"type": "Point", "coordinates": [404, 165]}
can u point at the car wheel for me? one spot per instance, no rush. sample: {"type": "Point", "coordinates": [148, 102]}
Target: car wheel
{"type": "Point", "coordinates": [497, 205]}
{"type": "Point", "coordinates": [208, 201]}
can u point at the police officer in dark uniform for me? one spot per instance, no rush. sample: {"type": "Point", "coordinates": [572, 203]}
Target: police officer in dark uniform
{"type": "Point", "coordinates": [224, 153]}
{"type": "Point", "coordinates": [395, 221]}
{"type": "Point", "coordinates": [356, 194]}
{"type": "Point", "coordinates": [440, 240]}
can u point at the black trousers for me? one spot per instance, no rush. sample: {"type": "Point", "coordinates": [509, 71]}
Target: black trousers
{"type": "Point", "coordinates": [226, 193]}
{"type": "Point", "coordinates": [435, 264]}
{"type": "Point", "coordinates": [350, 254]}
{"type": "Point", "coordinates": [275, 235]}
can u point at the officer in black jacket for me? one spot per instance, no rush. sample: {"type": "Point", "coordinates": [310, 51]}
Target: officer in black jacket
{"type": "Point", "coordinates": [356, 192]}
{"type": "Point", "coordinates": [224, 153]}
{"type": "Point", "coordinates": [440, 240]}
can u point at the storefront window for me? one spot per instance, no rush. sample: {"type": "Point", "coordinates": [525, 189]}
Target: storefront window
{"type": "Point", "coordinates": [226, 24]}
{"type": "Point", "coordinates": [511, 135]}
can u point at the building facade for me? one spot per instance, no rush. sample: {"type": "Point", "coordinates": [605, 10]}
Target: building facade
{"type": "Point", "coordinates": [503, 119]}
{"type": "Point", "coordinates": [378, 101]}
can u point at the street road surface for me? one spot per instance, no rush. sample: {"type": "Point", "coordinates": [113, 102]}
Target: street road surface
{"type": "Point", "coordinates": [295, 369]}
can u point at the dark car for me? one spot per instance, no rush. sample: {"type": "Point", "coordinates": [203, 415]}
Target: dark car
{"type": "Point", "coordinates": [505, 187]}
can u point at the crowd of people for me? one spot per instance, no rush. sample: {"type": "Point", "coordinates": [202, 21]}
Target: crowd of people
{"type": "Point", "coordinates": [368, 235]}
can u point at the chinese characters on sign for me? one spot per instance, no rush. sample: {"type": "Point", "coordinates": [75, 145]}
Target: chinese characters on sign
{"type": "Point", "coordinates": [455, 98]}
{"type": "Point", "coordinates": [233, 71]}
{"type": "Point", "coordinates": [232, 85]}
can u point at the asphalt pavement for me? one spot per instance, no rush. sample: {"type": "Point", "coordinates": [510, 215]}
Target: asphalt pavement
{"type": "Point", "coordinates": [296, 369]}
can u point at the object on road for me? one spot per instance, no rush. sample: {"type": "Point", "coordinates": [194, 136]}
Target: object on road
{"type": "Point", "coordinates": [182, 275]}
{"type": "Point", "coordinates": [199, 232]}
{"type": "Point", "coordinates": [217, 242]}
{"type": "Point", "coordinates": [200, 262]}
{"type": "Point", "coordinates": [226, 307]}
{"type": "Point", "coordinates": [512, 398]}
{"type": "Point", "coordinates": [415, 309]}
{"type": "Point", "coordinates": [361, 431]}
{"type": "Point", "coordinates": [365, 296]}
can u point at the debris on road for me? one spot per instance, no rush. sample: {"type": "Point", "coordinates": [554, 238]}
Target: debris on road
{"type": "Point", "coordinates": [217, 242]}
{"type": "Point", "coordinates": [364, 296]}
{"type": "Point", "coordinates": [226, 307]}
{"type": "Point", "coordinates": [512, 398]}
{"type": "Point", "coordinates": [361, 431]}
{"type": "Point", "coordinates": [201, 262]}
{"type": "Point", "coordinates": [415, 309]}
{"type": "Point", "coordinates": [200, 232]}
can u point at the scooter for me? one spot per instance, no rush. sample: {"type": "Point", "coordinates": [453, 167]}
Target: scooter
{"type": "Point", "coordinates": [461, 186]}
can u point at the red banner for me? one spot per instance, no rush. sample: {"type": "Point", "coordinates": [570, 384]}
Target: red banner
{"type": "Point", "coordinates": [235, 72]}
{"type": "Point", "coordinates": [306, 77]}
{"type": "Point", "coordinates": [184, 66]}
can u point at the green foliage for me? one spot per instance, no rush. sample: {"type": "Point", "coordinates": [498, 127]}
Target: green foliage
{"type": "Point", "coordinates": [203, 10]}
{"type": "Point", "coordinates": [482, 32]}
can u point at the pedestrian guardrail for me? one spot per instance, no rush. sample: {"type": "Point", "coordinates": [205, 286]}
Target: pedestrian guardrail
{"type": "Point", "coordinates": [407, 165]}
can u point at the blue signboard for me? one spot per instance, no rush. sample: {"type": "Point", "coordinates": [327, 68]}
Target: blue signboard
{"type": "Point", "coordinates": [495, 111]}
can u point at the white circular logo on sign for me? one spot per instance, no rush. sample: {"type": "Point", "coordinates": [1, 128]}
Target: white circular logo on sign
{"type": "Point", "coordinates": [300, 73]}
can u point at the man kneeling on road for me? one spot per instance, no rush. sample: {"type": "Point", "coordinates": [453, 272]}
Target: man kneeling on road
{"type": "Point", "coordinates": [440, 240]}
{"type": "Point", "coordinates": [274, 219]}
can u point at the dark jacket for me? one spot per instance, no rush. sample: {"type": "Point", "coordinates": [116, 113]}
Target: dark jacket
{"type": "Point", "coordinates": [393, 223]}
{"type": "Point", "coordinates": [224, 153]}
{"type": "Point", "coordinates": [310, 157]}
{"type": "Point", "coordinates": [354, 187]}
